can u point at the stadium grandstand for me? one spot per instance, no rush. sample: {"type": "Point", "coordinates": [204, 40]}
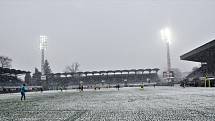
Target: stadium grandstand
{"type": "Point", "coordinates": [204, 75]}
{"type": "Point", "coordinates": [109, 78]}
{"type": "Point", "coordinates": [9, 81]}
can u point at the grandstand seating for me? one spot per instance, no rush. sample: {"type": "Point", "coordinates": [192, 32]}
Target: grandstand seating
{"type": "Point", "coordinates": [56, 82]}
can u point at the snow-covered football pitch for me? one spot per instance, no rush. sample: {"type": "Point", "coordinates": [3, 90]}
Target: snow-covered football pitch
{"type": "Point", "coordinates": [127, 104]}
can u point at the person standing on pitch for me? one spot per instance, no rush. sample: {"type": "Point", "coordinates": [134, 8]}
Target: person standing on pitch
{"type": "Point", "coordinates": [23, 90]}
{"type": "Point", "coordinates": [118, 86]}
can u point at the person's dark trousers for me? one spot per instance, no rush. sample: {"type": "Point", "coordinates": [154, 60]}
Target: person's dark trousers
{"type": "Point", "coordinates": [23, 95]}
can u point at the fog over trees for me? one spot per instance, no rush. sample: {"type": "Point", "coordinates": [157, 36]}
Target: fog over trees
{"type": "Point", "coordinates": [5, 62]}
{"type": "Point", "coordinates": [72, 68]}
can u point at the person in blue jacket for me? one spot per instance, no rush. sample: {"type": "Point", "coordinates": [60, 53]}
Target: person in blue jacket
{"type": "Point", "coordinates": [23, 90]}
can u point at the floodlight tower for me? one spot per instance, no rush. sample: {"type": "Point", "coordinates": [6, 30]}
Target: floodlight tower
{"type": "Point", "coordinates": [166, 36]}
{"type": "Point", "coordinates": [43, 47]}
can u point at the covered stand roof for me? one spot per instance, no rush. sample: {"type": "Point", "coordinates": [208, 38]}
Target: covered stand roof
{"type": "Point", "coordinates": [12, 71]}
{"type": "Point", "coordinates": [203, 53]}
{"type": "Point", "coordinates": [109, 71]}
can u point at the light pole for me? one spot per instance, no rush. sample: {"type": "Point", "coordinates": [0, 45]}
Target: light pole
{"type": "Point", "coordinates": [166, 36]}
{"type": "Point", "coordinates": [43, 47]}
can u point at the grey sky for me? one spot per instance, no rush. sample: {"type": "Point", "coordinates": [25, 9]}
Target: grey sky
{"type": "Point", "coordinates": [103, 34]}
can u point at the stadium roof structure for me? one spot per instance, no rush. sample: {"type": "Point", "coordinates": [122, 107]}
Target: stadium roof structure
{"type": "Point", "coordinates": [12, 71]}
{"type": "Point", "coordinates": [203, 53]}
{"type": "Point", "coordinates": [154, 70]}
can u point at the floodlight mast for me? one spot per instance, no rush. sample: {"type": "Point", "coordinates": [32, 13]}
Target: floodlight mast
{"type": "Point", "coordinates": [43, 47]}
{"type": "Point", "coordinates": [166, 36]}
{"type": "Point", "coordinates": [168, 58]}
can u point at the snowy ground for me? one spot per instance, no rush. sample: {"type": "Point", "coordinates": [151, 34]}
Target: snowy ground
{"type": "Point", "coordinates": [128, 104]}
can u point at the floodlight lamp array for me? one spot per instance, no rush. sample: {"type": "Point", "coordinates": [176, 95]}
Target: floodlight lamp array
{"type": "Point", "coordinates": [43, 42]}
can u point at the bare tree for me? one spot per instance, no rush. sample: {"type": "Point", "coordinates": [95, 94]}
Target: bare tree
{"type": "Point", "coordinates": [5, 62]}
{"type": "Point", "coordinates": [72, 68]}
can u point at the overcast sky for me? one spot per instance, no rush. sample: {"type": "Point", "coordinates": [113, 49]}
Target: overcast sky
{"type": "Point", "coordinates": [104, 34]}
